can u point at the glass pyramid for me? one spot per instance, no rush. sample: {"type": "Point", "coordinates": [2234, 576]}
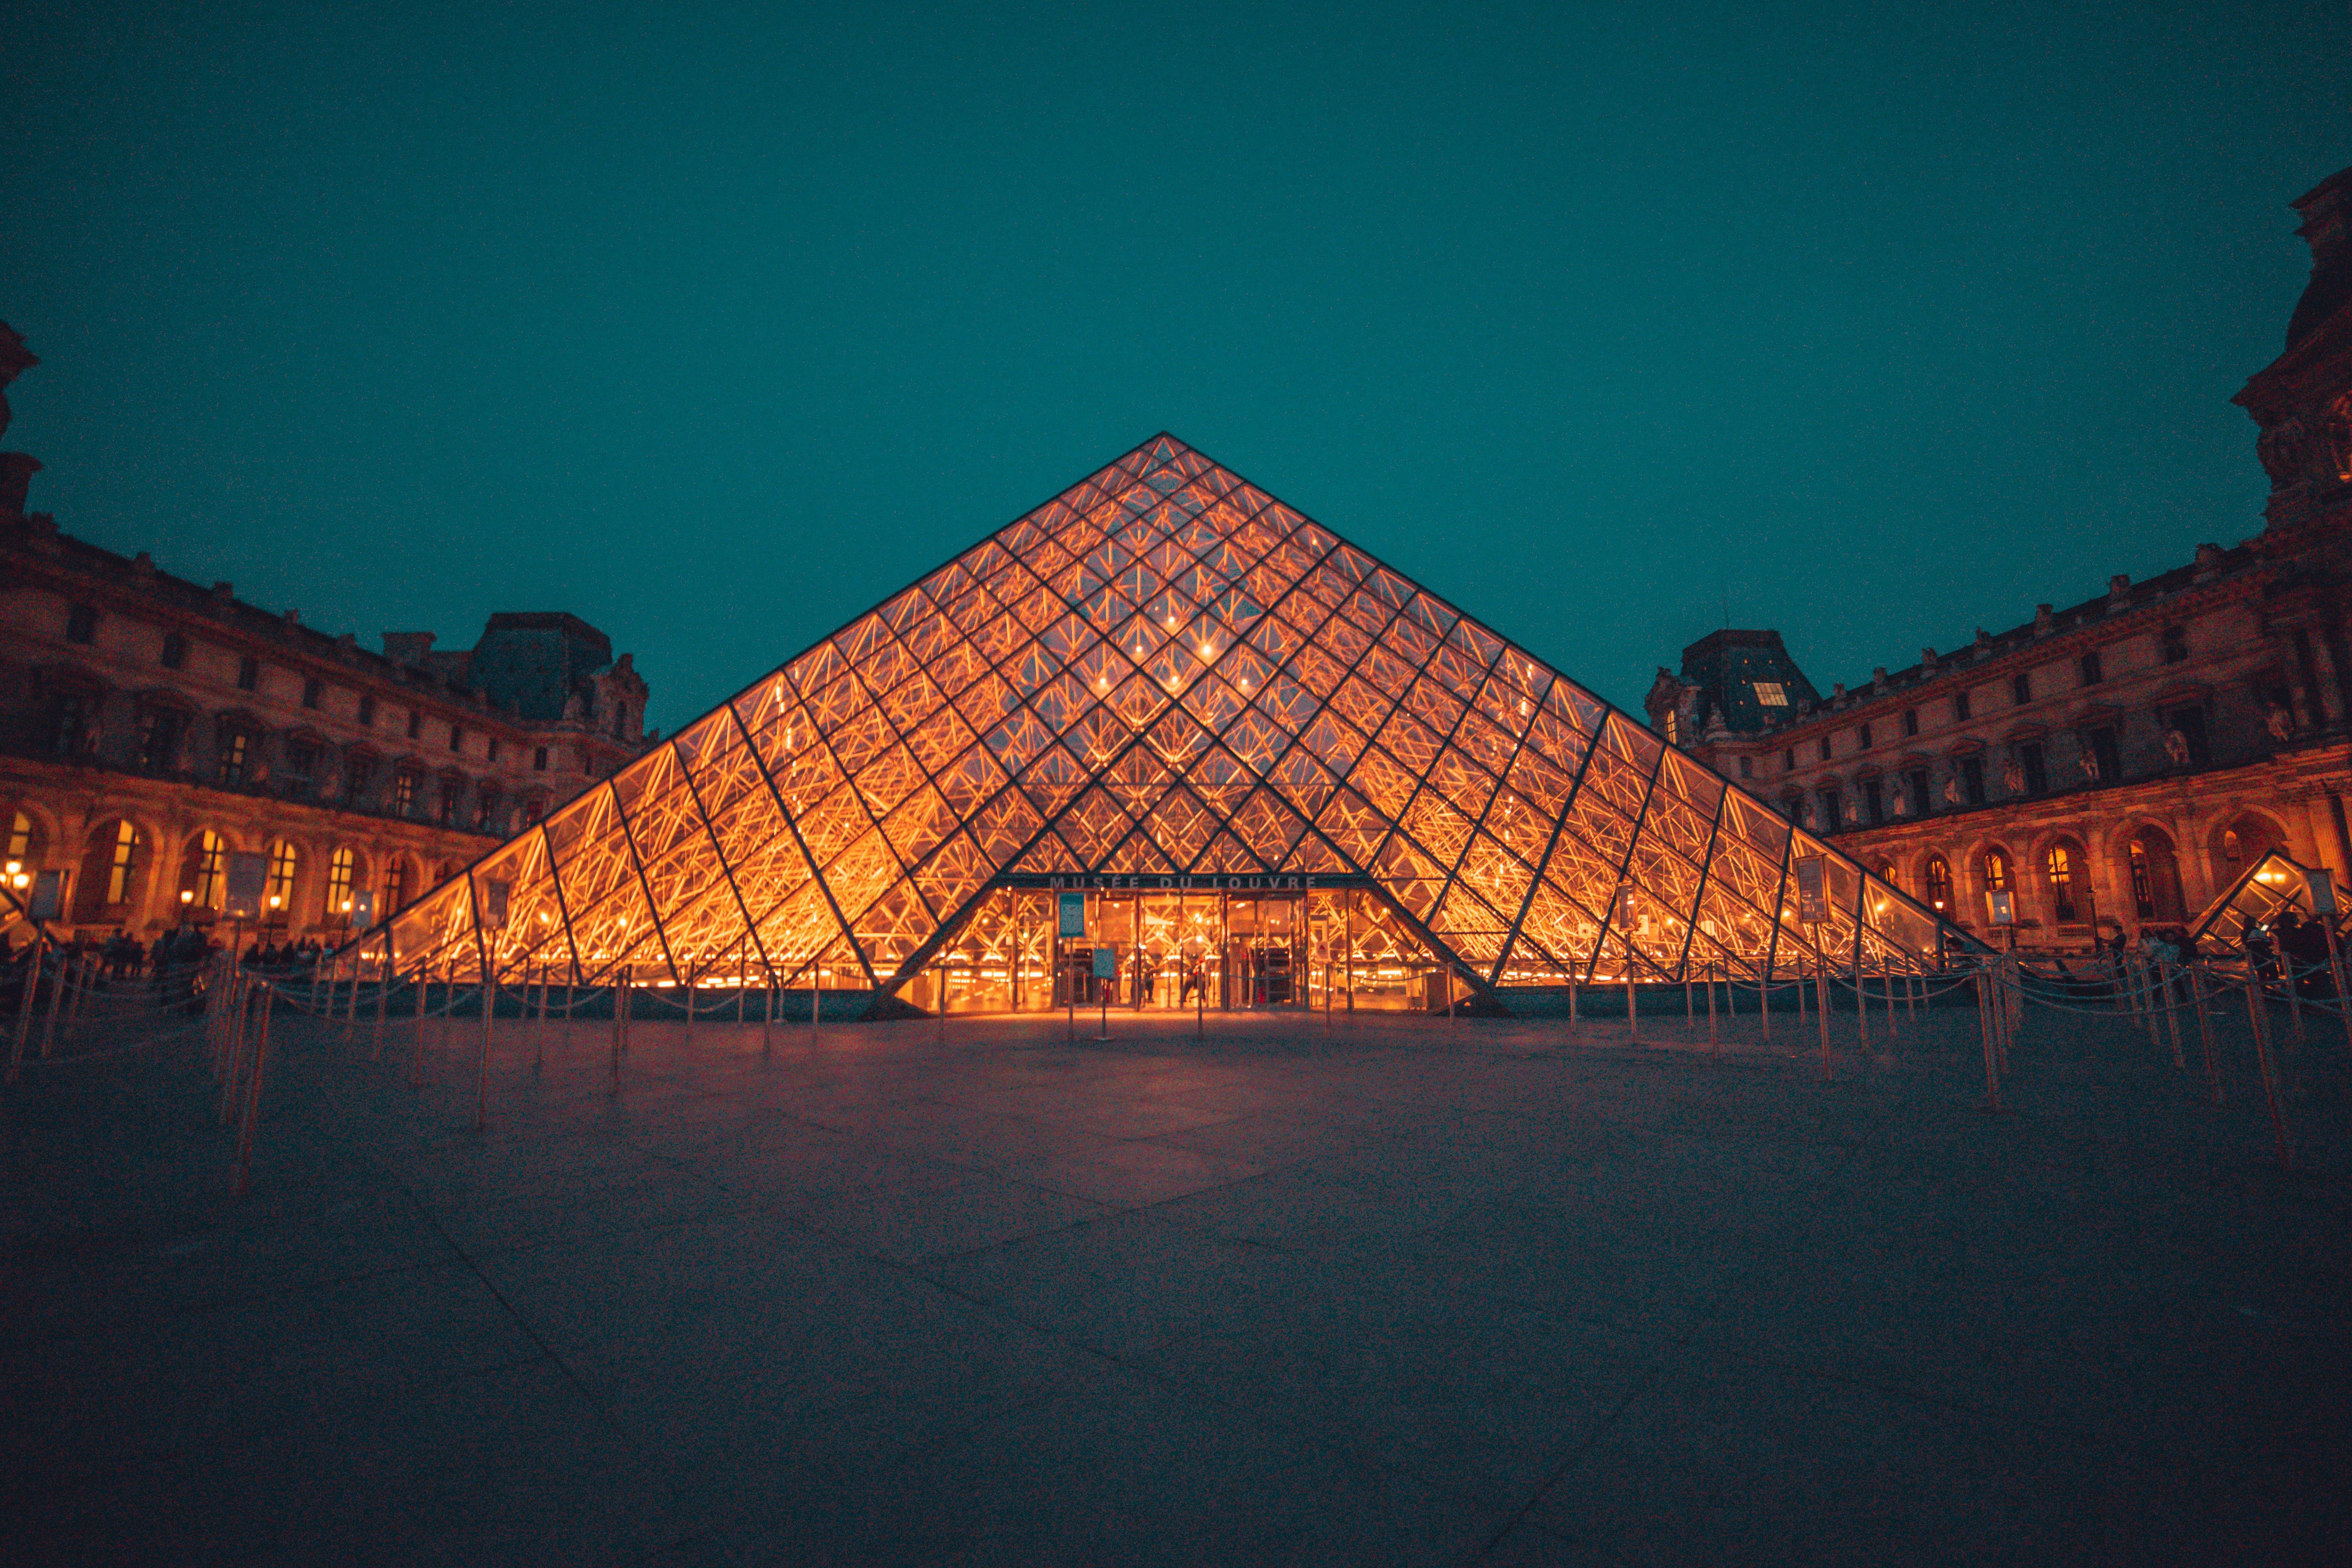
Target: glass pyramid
{"type": "Point", "coordinates": [1163, 677]}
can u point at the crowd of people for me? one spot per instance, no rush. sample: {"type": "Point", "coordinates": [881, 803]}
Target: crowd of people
{"type": "Point", "coordinates": [123, 957]}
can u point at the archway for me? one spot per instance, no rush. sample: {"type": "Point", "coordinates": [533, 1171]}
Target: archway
{"type": "Point", "coordinates": [204, 875]}
{"type": "Point", "coordinates": [113, 873]}
{"type": "Point", "coordinates": [1936, 878]}
{"type": "Point", "coordinates": [2066, 881]}
{"type": "Point", "coordinates": [2154, 877]}
{"type": "Point", "coordinates": [2240, 840]}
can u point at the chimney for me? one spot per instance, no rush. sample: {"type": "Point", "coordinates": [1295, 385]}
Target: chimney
{"type": "Point", "coordinates": [2043, 621]}
{"type": "Point", "coordinates": [408, 647]}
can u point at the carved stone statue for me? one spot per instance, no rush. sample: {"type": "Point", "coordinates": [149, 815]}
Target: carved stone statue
{"type": "Point", "coordinates": [1951, 787]}
{"type": "Point", "coordinates": [2280, 722]}
{"type": "Point", "coordinates": [2176, 746]}
{"type": "Point", "coordinates": [2012, 775]}
{"type": "Point", "coordinates": [2090, 765]}
{"type": "Point", "coordinates": [1901, 802]}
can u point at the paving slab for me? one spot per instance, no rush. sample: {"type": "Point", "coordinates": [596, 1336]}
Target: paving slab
{"type": "Point", "coordinates": [1380, 1290]}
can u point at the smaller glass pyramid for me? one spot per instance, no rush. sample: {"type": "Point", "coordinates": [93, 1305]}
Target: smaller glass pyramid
{"type": "Point", "coordinates": [1166, 677]}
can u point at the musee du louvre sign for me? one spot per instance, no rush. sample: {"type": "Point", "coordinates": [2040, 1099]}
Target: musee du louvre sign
{"type": "Point", "coordinates": [1271, 763]}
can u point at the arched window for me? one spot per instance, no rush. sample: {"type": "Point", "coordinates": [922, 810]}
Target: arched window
{"type": "Point", "coordinates": [20, 839]}
{"type": "Point", "coordinates": [1996, 871]}
{"type": "Point", "coordinates": [122, 865]}
{"type": "Point", "coordinates": [1886, 873]}
{"type": "Point", "coordinates": [113, 863]}
{"type": "Point", "coordinates": [203, 885]}
{"type": "Point", "coordinates": [1939, 882]}
{"type": "Point", "coordinates": [342, 869]}
{"type": "Point", "coordinates": [2062, 882]}
{"type": "Point", "coordinates": [2143, 884]}
{"type": "Point", "coordinates": [278, 897]}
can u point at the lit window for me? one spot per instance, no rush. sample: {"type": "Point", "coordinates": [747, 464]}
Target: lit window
{"type": "Point", "coordinates": [2062, 882]}
{"type": "Point", "coordinates": [20, 839]}
{"type": "Point", "coordinates": [1939, 882]}
{"type": "Point", "coordinates": [235, 756]}
{"type": "Point", "coordinates": [122, 866]}
{"type": "Point", "coordinates": [1996, 871]}
{"type": "Point", "coordinates": [200, 871]}
{"type": "Point", "coordinates": [1771, 694]}
{"type": "Point", "coordinates": [1674, 729]}
{"type": "Point", "coordinates": [404, 791]}
{"type": "Point", "coordinates": [342, 868]}
{"type": "Point", "coordinates": [278, 897]}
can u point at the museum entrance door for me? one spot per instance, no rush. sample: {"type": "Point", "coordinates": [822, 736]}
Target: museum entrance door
{"type": "Point", "coordinates": [1341, 948]}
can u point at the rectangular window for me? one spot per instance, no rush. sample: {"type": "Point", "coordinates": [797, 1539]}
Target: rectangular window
{"type": "Point", "coordinates": [248, 674]}
{"type": "Point", "coordinates": [69, 720]}
{"type": "Point", "coordinates": [1910, 721]}
{"type": "Point", "coordinates": [311, 691]}
{"type": "Point", "coordinates": [2037, 773]}
{"type": "Point", "coordinates": [1862, 733]}
{"type": "Point", "coordinates": [1748, 767]}
{"type": "Point", "coordinates": [1826, 748]}
{"type": "Point", "coordinates": [301, 769]}
{"type": "Point", "coordinates": [539, 759]}
{"type": "Point", "coordinates": [416, 723]}
{"type": "Point", "coordinates": [404, 791]}
{"type": "Point", "coordinates": [81, 624]}
{"type": "Point", "coordinates": [1915, 783]}
{"type": "Point", "coordinates": [2174, 644]}
{"type": "Point", "coordinates": [486, 810]}
{"type": "Point", "coordinates": [491, 749]}
{"type": "Point", "coordinates": [447, 813]}
{"type": "Point", "coordinates": [532, 810]}
{"type": "Point", "coordinates": [2187, 722]}
{"type": "Point", "coordinates": [1873, 802]}
{"type": "Point", "coordinates": [1972, 780]}
{"type": "Point", "coordinates": [1674, 729]}
{"type": "Point", "coordinates": [457, 737]}
{"type": "Point", "coordinates": [1960, 708]}
{"type": "Point", "coordinates": [2093, 672]}
{"type": "Point", "coordinates": [367, 709]}
{"type": "Point", "coordinates": [235, 756]}
{"type": "Point", "coordinates": [159, 737]}
{"type": "Point", "coordinates": [1771, 694]}
{"type": "Point", "coordinates": [1789, 761]}
{"type": "Point", "coordinates": [2107, 760]}
{"type": "Point", "coordinates": [2020, 689]}
{"type": "Point", "coordinates": [175, 650]}
{"type": "Point", "coordinates": [357, 773]}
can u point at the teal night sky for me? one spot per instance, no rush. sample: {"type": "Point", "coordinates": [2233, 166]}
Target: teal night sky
{"type": "Point", "coordinates": [714, 325]}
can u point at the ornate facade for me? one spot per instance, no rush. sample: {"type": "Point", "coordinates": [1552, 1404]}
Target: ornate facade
{"type": "Point", "coordinates": [149, 726]}
{"type": "Point", "coordinates": [2117, 763]}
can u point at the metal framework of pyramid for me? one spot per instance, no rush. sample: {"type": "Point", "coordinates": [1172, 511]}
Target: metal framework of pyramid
{"type": "Point", "coordinates": [1163, 677]}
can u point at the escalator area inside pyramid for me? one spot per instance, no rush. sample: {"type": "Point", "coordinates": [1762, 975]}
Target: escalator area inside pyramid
{"type": "Point", "coordinates": [1163, 743]}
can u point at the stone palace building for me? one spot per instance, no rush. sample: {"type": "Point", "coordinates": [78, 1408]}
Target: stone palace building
{"type": "Point", "coordinates": [2116, 763]}
{"type": "Point", "coordinates": [149, 726]}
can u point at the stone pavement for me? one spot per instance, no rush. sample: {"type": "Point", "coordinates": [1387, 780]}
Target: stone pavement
{"type": "Point", "coordinates": [1383, 1293]}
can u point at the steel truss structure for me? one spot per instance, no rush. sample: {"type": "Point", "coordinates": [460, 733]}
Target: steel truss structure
{"type": "Point", "coordinates": [1168, 677]}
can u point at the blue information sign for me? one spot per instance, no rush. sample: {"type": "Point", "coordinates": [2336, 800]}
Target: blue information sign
{"type": "Point", "coordinates": [1074, 914]}
{"type": "Point", "coordinates": [1104, 960]}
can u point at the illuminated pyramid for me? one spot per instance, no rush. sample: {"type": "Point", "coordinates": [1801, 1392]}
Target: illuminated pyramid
{"type": "Point", "coordinates": [1161, 682]}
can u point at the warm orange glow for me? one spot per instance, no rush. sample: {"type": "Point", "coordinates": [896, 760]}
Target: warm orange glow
{"type": "Point", "coordinates": [1161, 673]}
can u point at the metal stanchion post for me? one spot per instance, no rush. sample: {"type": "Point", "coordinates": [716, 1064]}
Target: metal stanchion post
{"type": "Point", "coordinates": [482, 1062]}
{"type": "Point", "coordinates": [417, 1053]}
{"type": "Point", "coordinates": [56, 995]}
{"type": "Point", "coordinates": [253, 1100]}
{"type": "Point", "coordinates": [1633, 1013]}
{"type": "Point", "coordinates": [2205, 1031]}
{"type": "Point", "coordinates": [620, 1006]}
{"type": "Point", "coordinates": [1821, 1012]}
{"type": "Point", "coordinates": [25, 1005]}
{"type": "Point", "coordinates": [2171, 1015]}
{"type": "Point", "coordinates": [1714, 1045]}
{"type": "Point", "coordinates": [1764, 999]}
{"type": "Point", "coordinates": [1860, 1008]}
{"type": "Point", "coordinates": [1985, 1033]}
{"type": "Point", "coordinates": [2257, 1011]}
{"type": "Point", "coordinates": [382, 998]}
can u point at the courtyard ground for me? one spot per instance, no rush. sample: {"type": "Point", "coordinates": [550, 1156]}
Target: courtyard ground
{"type": "Point", "coordinates": [1387, 1291]}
